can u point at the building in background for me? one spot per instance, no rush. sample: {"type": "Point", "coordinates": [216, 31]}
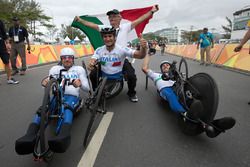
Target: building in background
{"type": "Point", "coordinates": [172, 34]}
{"type": "Point", "coordinates": [240, 21]}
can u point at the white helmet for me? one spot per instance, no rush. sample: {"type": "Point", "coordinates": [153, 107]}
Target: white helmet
{"type": "Point", "coordinates": [67, 52]}
{"type": "Point", "coordinates": [164, 62]}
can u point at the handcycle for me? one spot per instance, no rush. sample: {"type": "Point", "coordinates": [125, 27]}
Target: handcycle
{"type": "Point", "coordinates": [96, 102]}
{"type": "Point", "coordinates": [52, 115]}
{"type": "Point", "coordinates": [200, 86]}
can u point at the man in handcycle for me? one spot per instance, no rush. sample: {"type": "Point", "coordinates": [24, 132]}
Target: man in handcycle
{"type": "Point", "coordinates": [77, 75]}
{"type": "Point", "coordinates": [111, 56]}
{"type": "Point", "coordinates": [165, 84]}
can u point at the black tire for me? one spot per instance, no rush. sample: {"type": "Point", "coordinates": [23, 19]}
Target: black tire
{"type": "Point", "coordinates": [183, 68]}
{"type": "Point", "coordinates": [209, 96]}
{"type": "Point", "coordinates": [113, 88]}
{"type": "Point", "coordinates": [99, 96]}
{"type": "Point", "coordinates": [41, 147]}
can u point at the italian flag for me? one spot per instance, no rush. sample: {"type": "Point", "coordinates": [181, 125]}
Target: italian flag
{"type": "Point", "coordinates": [102, 19]}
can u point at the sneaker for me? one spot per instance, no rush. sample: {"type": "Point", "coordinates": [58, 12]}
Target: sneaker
{"type": "Point", "coordinates": [22, 73]}
{"type": "Point", "coordinates": [12, 81]}
{"type": "Point", "coordinates": [26, 144]}
{"type": "Point", "coordinates": [133, 98]}
{"type": "Point", "coordinates": [220, 125]}
{"type": "Point", "coordinates": [14, 72]}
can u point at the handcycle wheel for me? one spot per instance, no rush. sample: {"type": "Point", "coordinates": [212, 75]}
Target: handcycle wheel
{"type": "Point", "coordinates": [41, 149]}
{"type": "Point", "coordinates": [100, 100]}
{"type": "Point", "coordinates": [183, 68]}
{"type": "Point", "coordinates": [208, 95]}
{"type": "Point", "coordinates": [113, 88]}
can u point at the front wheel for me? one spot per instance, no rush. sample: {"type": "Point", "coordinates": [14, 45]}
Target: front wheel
{"type": "Point", "coordinates": [183, 68]}
{"type": "Point", "coordinates": [99, 102]}
{"type": "Point", "coordinates": [50, 94]}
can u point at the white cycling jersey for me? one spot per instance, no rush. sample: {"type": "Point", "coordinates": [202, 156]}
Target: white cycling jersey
{"type": "Point", "coordinates": [156, 77]}
{"type": "Point", "coordinates": [75, 72]}
{"type": "Point", "coordinates": [112, 61]}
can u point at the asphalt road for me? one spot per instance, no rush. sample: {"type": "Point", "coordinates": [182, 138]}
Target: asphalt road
{"type": "Point", "coordinates": [143, 134]}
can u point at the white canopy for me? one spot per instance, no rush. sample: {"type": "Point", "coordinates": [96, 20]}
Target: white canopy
{"type": "Point", "coordinates": [77, 39]}
{"type": "Point", "coordinates": [67, 39]}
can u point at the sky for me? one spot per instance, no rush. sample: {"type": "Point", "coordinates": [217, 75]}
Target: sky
{"type": "Point", "coordinates": [181, 13]}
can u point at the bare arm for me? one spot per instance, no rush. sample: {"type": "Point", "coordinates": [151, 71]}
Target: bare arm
{"type": "Point", "coordinates": [154, 9]}
{"type": "Point", "coordinates": [145, 64]}
{"type": "Point", "coordinates": [243, 41]}
{"type": "Point", "coordinates": [87, 23]}
{"type": "Point", "coordinates": [140, 54]}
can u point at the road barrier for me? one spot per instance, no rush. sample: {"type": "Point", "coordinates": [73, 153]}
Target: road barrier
{"type": "Point", "coordinates": [221, 54]}
{"type": "Point", "coordinates": [40, 54]}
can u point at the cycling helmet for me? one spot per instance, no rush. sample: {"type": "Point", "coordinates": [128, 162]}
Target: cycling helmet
{"type": "Point", "coordinates": [108, 30]}
{"type": "Point", "coordinates": [164, 62]}
{"type": "Point", "coordinates": [67, 52]}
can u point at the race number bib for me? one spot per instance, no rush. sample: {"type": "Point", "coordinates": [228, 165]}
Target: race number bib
{"type": "Point", "coordinates": [16, 38]}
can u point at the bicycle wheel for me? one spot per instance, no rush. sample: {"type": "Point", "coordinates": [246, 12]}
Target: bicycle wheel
{"type": "Point", "coordinates": [98, 96]}
{"type": "Point", "coordinates": [183, 68]}
{"type": "Point", "coordinates": [209, 96]}
{"type": "Point", "coordinates": [41, 147]}
{"type": "Point", "coordinates": [113, 88]}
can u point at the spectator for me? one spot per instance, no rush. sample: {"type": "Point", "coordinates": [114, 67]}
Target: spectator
{"type": "Point", "coordinates": [4, 53]}
{"type": "Point", "coordinates": [18, 34]}
{"type": "Point", "coordinates": [206, 42]}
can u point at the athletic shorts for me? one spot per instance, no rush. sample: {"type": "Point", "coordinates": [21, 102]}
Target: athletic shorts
{"type": "Point", "coordinates": [3, 52]}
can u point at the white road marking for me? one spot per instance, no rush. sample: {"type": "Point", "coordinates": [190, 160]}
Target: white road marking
{"type": "Point", "coordinates": [133, 61]}
{"type": "Point", "coordinates": [90, 154]}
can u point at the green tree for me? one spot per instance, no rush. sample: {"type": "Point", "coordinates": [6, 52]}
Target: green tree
{"type": "Point", "coordinates": [228, 28]}
{"type": "Point", "coordinates": [29, 12]}
{"type": "Point", "coordinates": [67, 30]}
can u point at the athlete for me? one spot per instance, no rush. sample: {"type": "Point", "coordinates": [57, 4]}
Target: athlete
{"type": "Point", "coordinates": [111, 57]}
{"type": "Point", "coordinates": [165, 88]}
{"type": "Point", "coordinates": [76, 75]}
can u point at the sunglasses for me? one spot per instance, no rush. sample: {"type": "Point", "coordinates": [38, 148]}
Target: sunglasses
{"type": "Point", "coordinates": [67, 57]}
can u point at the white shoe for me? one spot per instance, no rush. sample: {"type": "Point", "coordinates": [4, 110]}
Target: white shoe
{"type": "Point", "coordinates": [12, 81]}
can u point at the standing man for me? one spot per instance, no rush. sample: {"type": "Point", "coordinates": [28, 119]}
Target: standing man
{"type": "Point", "coordinates": [4, 53]}
{"type": "Point", "coordinates": [206, 42]}
{"type": "Point", "coordinates": [122, 39]}
{"type": "Point", "coordinates": [18, 34]}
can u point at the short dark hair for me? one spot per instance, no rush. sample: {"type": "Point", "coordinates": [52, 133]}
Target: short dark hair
{"type": "Point", "coordinates": [114, 11]}
{"type": "Point", "coordinates": [205, 29]}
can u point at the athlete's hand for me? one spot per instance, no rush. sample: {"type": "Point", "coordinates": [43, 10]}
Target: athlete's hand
{"type": "Point", "coordinates": [238, 48]}
{"type": "Point", "coordinates": [45, 82]}
{"type": "Point", "coordinates": [155, 8]}
{"type": "Point", "coordinates": [91, 64]}
{"type": "Point", "coordinates": [77, 18]}
{"type": "Point", "coordinates": [77, 83]}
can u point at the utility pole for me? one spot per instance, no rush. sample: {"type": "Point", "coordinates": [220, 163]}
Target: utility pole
{"type": "Point", "coordinates": [191, 34]}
